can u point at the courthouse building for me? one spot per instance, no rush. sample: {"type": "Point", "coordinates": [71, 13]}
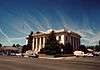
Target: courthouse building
{"type": "Point", "coordinates": [64, 36]}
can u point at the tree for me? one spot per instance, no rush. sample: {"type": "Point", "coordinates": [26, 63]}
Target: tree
{"type": "Point", "coordinates": [17, 45]}
{"type": "Point", "coordinates": [97, 48]}
{"type": "Point", "coordinates": [30, 41]}
{"type": "Point", "coordinates": [52, 45]}
{"type": "Point", "coordinates": [91, 47]}
{"type": "Point", "coordinates": [0, 45]}
{"type": "Point", "coordinates": [83, 48]}
{"type": "Point", "coordinates": [14, 45]}
{"type": "Point", "coordinates": [68, 48]}
{"type": "Point", "coordinates": [24, 49]}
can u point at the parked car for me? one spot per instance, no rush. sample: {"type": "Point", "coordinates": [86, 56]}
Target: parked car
{"type": "Point", "coordinates": [13, 54]}
{"type": "Point", "coordinates": [19, 54]}
{"type": "Point", "coordinates": [30, 53]}
{"type": "Point", "coordinates": [95, 53]}
{"type": "Point", "coordinates": [89, 54]}
{"type": "Point", "coordinates": [81, 53]}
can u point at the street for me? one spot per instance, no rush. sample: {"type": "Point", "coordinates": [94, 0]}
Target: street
{"type": "Point", "coordinates": [14, 63]}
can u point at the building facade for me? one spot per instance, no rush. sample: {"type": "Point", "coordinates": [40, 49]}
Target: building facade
{"type": "Point", "coordinates": [64, 36]}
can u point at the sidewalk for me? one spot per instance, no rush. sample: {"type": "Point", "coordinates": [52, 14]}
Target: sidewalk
{"type": "Point", "coordinates": [64, 58]}
{"type": "Point", "coordinates": [74, 59]}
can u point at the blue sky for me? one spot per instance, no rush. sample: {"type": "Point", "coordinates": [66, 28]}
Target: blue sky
{"type": "Point", "coordinates": [19, 17]}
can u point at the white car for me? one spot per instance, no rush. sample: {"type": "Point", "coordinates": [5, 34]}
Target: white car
{"type": "Point", "coordinates": [88, 54]}
{"type": "Point", "coordinates": [96, 53]}
{"type": "Point", "coordinates": [30, 53]}
{"type": "Point", "coordinates": [81, 53]}
{"type": "Point", "coordinates": [19, 54]}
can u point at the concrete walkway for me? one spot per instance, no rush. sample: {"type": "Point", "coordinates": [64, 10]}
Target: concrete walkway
{"type": "Point", "coordinates": [65, 58]}
{"type": "Point", "coordinates": [76, 59]}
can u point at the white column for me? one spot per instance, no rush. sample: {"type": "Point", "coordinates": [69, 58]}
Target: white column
{"type": "Point", "coordinates": [62, 40]}
{"type": "Point", "coordinates": [33, 44]}
{"type": "Point", "coordinates": [35, 50]}
{"type": "Point", "coordinates": [57, 37]}
{"type": "Point", "coordinates": [43, 42]}
{"type": "Point", "coordinates": [78, 43]}
{"type": "Point", "coordinates": [26, 40]}
{"type": "Point", "coordinates": [70, 40]}
{"type": "Point", "coordinates": [39, 45]}
{"type": "Point", "coordinates": [73, 43]}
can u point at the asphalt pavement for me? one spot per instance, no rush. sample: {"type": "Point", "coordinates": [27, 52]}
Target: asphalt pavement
{"type": "Point", "coordinates": [14, 63]}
